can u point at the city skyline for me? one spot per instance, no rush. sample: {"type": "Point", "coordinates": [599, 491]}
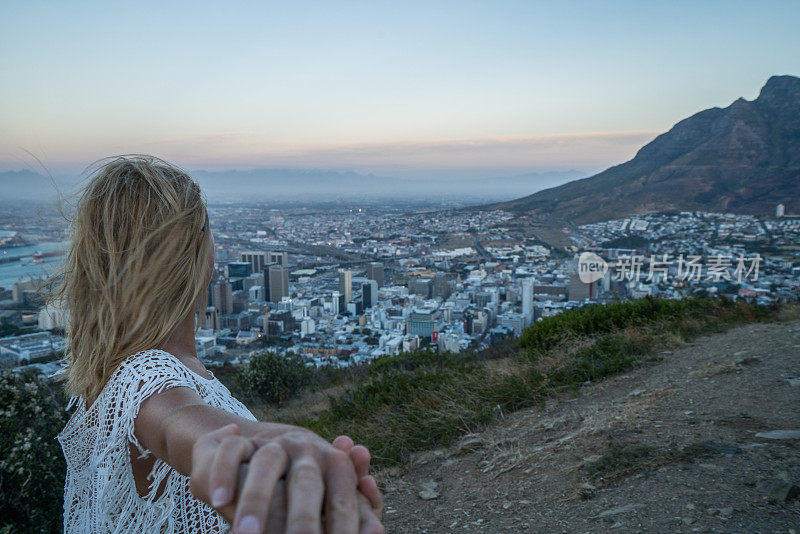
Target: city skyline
{"type": "Point", "coordinates": [404, 91]}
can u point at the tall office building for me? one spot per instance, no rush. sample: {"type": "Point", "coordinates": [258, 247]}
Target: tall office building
{"type": "Point", "coordinates": [441, 286]}
{"type": "Point", "coordinates": [211, 319]}
{"type": "Point", "coordinates": [482, 298]}
{"type": "Point", "coordinates": [338, 305]}
{"type": "Point", "coordinates": [346, 284]}
{"type": "Point", "coordinates": [278, 282]}
{"type": "Point", "coordinates": [281, 258]}
{"type": "Point", "coordinates": [375, 272]}
{"type": "Point", "coordinates": [369, 293]}
{"type": "Point", "coordinates": [265, 281]}
{"type": "Point", "coordinates": [421, 286]}
{"type": "Point", "coordinates": [222, 297]}
{"type": "Point", "coordinates": [257, 260]}
{"type": "Point", "coordinates": [527, 301]}
{"type": "Point", "coordinates": [355, 307]}
{"type": "Point", "coordinates": [469, 322]}
{"type": "Point", "coordinates": [421, 323]}
{"type": "Point", "coordinates": [239, 269]}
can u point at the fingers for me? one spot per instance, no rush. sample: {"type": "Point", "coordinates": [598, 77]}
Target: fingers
{"type": "Point", "coordinates": [304, 494]}
{"type": "Point", "coordinates": [361, 457]}
{"type": "Point", "coordinates": [366, 484]}
{"type": "Point", "coordinates": [341, 505]}
{"type": "Point", "coordinates": [203, 454]}
{"type": "Point", "coordinates": [267, 465]}
{"type": "Point", "coordinates": [369, 488]}
{"type": "Point", "coordinates": [343, 443]}
{"type": "Point", "coordinates": [231, 452]}
{"type": "Point", "coordinates": [276, 518]}
{"type": "Point", "coordinates": [369, 521]}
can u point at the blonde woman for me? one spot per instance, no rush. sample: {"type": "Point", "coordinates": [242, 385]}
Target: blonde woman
{"type": "Point", "coordinates": [157, 443]}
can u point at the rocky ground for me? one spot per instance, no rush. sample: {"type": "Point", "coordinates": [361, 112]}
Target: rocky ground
{"type": "Point", "coordinates": [707, 440]}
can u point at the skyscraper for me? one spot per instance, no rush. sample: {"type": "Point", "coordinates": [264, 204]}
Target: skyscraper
{"type": "Point", "coordinates": [346, 284]}
{"type": "Point", "coordinates": [338, 305]}
{"type": "Point", "coordinates": [256, 259]}
{"type": "Point", "coordinates": [240, 269]}
{"type": "Point", "coordinates": [421, 286]}
{"type": "Point", "coordinates": [211, 318]}
{"type": "Point", "coordinates": [265, 271]}
{"type": "Point", "coordinates": [441, 287]}
{"type": "Point", "coordinates": [375, 272]}
{"type": "Point", "coordinates": [355, 307]}
{"type": "Point", "coordinates": [278, 282]}
{"type": "Point", "coordinates": [369, 293]}
{"type": "Point", "coordinates": [281, 258]}
{"type": "Point", "coordinates": [222, 297]}
{"type": "Point", "coordinates": [527, 301]}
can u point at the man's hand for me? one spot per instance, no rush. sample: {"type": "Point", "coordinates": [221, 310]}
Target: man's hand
{"type": "Point", "coordinates": [370, 498]}
{"type": "Point", "coordinates": [317, 475]}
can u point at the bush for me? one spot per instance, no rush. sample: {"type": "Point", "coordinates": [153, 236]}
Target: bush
{"type": "Point", "coordinates": [32, 466]}
{"type": "Point", "coordinates": [598, 319]}
{"type": "Point", "coordinates": [696, 313]}
{"type": "Point", "coordinates": [274, 378]}
{"type": "Point", "coordinates": [608, 354]}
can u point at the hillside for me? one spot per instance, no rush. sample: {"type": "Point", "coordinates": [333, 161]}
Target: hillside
{"type": "Point", "coordinates": [744, 158]}
{"type": "Point", "coordinates": [688, 443]}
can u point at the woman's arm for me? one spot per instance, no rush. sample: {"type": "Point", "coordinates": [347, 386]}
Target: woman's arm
{"type": "Point", "coordinates": [181, 429]}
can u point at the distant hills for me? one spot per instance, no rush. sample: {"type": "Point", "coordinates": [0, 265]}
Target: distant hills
{"type": "Point", "coordinates": [321, 184]}
{"type": "Point", "coordinates": [26, 185]}
{"type": "Point", "coordinates": [744, 158]}
{"type": "Point", "coordinates": [315, 185]}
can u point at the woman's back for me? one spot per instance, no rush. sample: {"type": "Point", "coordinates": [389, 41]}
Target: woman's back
{"type": "Point", "coordinates": [100, 490]}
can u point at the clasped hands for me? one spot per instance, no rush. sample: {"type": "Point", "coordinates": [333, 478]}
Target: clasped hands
{"type": "Point", "coordinates": [295, 482]}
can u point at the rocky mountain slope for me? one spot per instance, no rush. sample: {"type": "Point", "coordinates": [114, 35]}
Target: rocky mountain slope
{"type": "Point", "coordinates": [744, 158]}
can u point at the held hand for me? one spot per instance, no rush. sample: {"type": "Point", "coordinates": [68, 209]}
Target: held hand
{"type": "Point", "coordinates": [316, 472]}
{"type": "Point", "coordinates": [370, 495]}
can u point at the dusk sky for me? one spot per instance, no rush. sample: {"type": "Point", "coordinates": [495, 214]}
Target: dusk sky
{"type": "Point", "coordinates": [394, 88]}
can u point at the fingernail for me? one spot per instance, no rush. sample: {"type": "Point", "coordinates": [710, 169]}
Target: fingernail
{"type": "Point", "coordinates": [219, 497]}
{"type": "Point", "coordinates": [249, 525]}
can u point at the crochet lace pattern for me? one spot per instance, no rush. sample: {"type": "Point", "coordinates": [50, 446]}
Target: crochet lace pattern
{"type": "Point", "coordinates": [100, 493]}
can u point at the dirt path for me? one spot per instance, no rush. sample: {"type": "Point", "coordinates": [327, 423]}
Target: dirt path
{"type": "Point", "coordinates": [699, 414]}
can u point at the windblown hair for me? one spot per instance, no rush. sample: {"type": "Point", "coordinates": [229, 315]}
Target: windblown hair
{"type": "Point", "coordinates": [137, 266]}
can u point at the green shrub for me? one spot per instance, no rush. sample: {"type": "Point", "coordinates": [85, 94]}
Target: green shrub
{"type": "Point", "coordinates": [32, 466]}
{"type": "Point", "coordinates": [598, 318]}
{"type": "Point", "coordinates": [608, 354]}
{"type": "Point", "coordinates": [408, 361]}
{"type": "Point", "coordinates": [692, 315]}
{"type": "Point", "coordinates": [274, 378]}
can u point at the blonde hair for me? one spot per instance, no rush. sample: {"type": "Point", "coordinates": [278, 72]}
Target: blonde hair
{"type": "Point", "coordinates": [137, 266]}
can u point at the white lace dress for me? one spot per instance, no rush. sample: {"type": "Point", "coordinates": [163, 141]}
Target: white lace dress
{"type": "Point", "coordinates": [100, 493]}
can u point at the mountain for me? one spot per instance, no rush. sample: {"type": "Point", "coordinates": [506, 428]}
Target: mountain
{"type": "Point", "coordinates": [315, 185]}
{"type": "Point", "coordinates": [286, 184]}
{"type": "Point", "coordinates": [321, 184]}
{"type": "Point", "coordinates": [744, 158]}
{"type": "Point", "coordinates": [26, 185]}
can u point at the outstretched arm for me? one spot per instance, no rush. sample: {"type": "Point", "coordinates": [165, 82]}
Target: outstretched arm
{"type": "Point", "coordinates": [209, 445]}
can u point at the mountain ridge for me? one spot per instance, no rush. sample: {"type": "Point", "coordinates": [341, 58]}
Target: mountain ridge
{"type": "Point", "coordinates": [308, 184]}
{"type": "Point", "coordinates": [744, 158]}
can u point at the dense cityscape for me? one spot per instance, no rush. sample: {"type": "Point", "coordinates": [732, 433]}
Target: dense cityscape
{"type": "Point", "coordinates": [346, 286]}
